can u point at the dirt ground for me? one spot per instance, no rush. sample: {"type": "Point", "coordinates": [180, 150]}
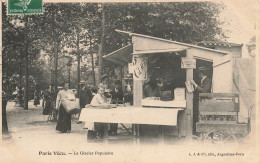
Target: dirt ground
{"type": "Point", "coordinates": [36, 140]}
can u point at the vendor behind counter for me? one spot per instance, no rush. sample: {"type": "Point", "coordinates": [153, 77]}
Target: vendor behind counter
{"type": "Point", "coordinates": [159, 88]}
{"type": "Point", "coordinates": [164, 75]}
{"type": "Point", "coordinates": [152, 88]}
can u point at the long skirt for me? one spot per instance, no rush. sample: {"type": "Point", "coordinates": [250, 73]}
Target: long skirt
{"type": "Point", "coordinates": [64, 120]}
{"type": "Point", "coordinates": [47, 108]}
{"type": "Point", "coordinates": [36, 100]}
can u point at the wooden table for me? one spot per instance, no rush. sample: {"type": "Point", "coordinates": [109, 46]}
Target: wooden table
{"type": "Point", "coordinates": [131, 115]}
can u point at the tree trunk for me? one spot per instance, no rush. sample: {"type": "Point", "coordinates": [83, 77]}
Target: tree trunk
{"type": "Point", "coordinates": [26, 64]}
{"type": "Point", "coordinates": [55, 58]}
{"type": "Point", "coordinates": [92, 64]}
{"type": "Point", "coordinates": [26, 79]}
{"type": "Point", "coordinates": [4, 119]}
{"type": "Point", "coordinates": [52, 82]}
{"type": "Point", "coordinates": [101, 45]}
{"type": "Point", "coordinates": [20, 68]}
{"type": "Point", "coordinates": [69, 79]}
{"type": "Point", "coordinates": [93, 69]}
{"type": "Point", "coordinates": [19, 96]}
{"type": "Point", "coordinates": [55, 67]}
{"type": "Point", "coordinates": [78, 55]}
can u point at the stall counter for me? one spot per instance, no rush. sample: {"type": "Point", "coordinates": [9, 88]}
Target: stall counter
{"type": "Point", "coordinates": [131, 115]}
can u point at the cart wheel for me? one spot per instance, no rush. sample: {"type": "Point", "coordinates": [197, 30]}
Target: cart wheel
{"type": "Point", "coordinates": [193, 139]}
{"type": "Point", "coordinates": [220, 137]}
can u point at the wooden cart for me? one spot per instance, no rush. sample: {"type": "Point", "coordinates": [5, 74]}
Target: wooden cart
{"type": "Point", "coordinates": [218, 119]}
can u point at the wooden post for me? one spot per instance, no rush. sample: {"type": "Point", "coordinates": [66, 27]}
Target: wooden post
{"type": "Point", "coordinates": [162, 135]}
{"type": "Point", "coordinates": [138, 93]}
{"type": "Point", "coordinates": [189, 99]}
{"type": "Point", "coordinates": [185, 118]}
{"type": "Point", "coordinates": [105, 133]}
{"type": "Point", "coordinates": [137, 97]}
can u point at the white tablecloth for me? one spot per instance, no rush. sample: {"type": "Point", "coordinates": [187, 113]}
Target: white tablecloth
{"type": "Point", "coordinates": [131, 115]}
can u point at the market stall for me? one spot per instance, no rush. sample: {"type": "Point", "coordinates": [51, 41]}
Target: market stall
{"type": "Point", "coordinates": [171, 63]}
{"type": "Point", "coordinates": [175, 62]}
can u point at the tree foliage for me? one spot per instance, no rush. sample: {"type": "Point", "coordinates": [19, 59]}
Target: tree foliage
{"type": "Point", "coordinates": [184, 22]}
{"type": "Point", "coordinates": [63, 24]}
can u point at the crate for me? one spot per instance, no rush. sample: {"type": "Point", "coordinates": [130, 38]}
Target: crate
{"type": "Point", "coordinates": [218, 102]}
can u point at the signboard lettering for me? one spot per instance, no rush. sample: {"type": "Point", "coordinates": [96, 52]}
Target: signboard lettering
{"type": "Point", "coordinates": [188, 63]}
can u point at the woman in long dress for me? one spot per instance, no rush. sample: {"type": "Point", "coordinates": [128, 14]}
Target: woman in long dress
{"type": "Point", "coordinates": [36, 100]}
{"type": "Point", "coordinates": [64, 119]}
{"type": "Point", "coordinates": [47, 108]}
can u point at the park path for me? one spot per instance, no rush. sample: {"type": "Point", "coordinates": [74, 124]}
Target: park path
{"type": "Point", "coordinates": [36, 140]}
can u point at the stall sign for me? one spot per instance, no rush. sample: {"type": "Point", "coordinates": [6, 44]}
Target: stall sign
{"type": "Point", "coordinates": [139, 68]}
{"type": "Point", "coordinates": [188, 63]}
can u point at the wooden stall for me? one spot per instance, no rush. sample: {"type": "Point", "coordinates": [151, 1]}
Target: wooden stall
{"type": "Point", "coordinates": [136, 58]}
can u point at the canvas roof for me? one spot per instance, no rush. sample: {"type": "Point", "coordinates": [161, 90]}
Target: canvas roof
{"type": "Point", "coordinates": [144, 44]}
{"type": "Point", "coordinates": [121, 56]}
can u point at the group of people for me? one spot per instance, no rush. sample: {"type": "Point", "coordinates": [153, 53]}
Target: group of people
{"type": "Point", "coordinates": [100, 98]}
{"type": "Point", "coordinates": [103, 96]}
{"type": "Point", "coordinates": [46, 101]}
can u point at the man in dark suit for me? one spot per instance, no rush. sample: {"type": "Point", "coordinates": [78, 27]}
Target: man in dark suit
{"type": "Point", "coordinates": [117, 98]}
{"type": "Point", "coordinates": [204, 86]}
{"type": "Point", "coordinates": [205, 82]}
